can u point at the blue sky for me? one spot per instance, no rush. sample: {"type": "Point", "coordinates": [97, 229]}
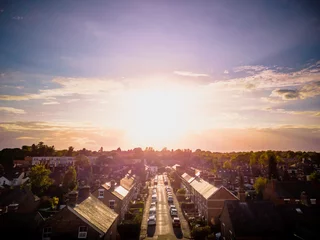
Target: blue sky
{"type": "Point", "coordinates": [140, 73]}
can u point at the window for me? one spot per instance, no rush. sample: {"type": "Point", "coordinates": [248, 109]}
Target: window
{"type": "Point", "coordinates": [101, 193]}
{"type": "Point", "coordinates": [313, 201]}
{"type": "Point", "coordinates": [111, 204]}
{"type": "Point", "coordinates": [46, 234]}
{"type": "Point", "coordinates": [83, 230]}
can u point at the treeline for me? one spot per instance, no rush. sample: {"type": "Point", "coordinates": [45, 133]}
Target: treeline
{"type": "Point", "coordinates": [186, 156]}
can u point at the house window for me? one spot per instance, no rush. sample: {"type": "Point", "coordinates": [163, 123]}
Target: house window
{"type": "Point", "coordinates": [83, 231]}
{"type": "Point", "coordinates": [101, 194]}
{"type": "Point", "coordinates": [111, 204]}
{"type": "Point", "coordinates": [46, 234]}
{"type": "Point", "coordinates": [313, 201]}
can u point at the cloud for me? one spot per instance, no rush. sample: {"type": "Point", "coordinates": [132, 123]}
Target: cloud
{"type": "Point", "coordinates": [250, 69]}
{"type": "Point", "coordinates": [286, 94]}
{"type": "Point", "coordinates": [50, 103]}
{"type": "Point", "coordinates": [12, 110]}
{"type": "Point", "coordinates": [190, 74]}
{"type": "Point", "coordinates": [226, 72]}
{"type": "Point", "coordinates": [69, 87]}
{"type": "Point", "coordinates": [281, 110]}
{"type": "Point", "coordinates": [60, 134]}
{"type": "Point", "coordinates": [73, 100]}
{"type": "Point", "coordinates": [25, 138]}
{"type": "Point", "coordinates": [306, 91]}
{"type": "Point", "coordinates": [17, 18]}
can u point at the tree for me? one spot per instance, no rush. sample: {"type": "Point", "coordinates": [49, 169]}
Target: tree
{"type": "Point", "coordinates": [260, 184]}
{"type": "Point", "coordinates": [70, 151]}
{"type": "Point", "coordinates": [70, 179]}
{"type": "Point", "coordinates": [315, 176]}
{"type": "Point", "coordinates": [253, 158]}
{"type": "Point", "coordinates": [263, 160]}
{"type": "Point", "coordinates": [39, 178]}
{"type": "Point", "coordinates": [82, 161]}
{"type": "Point", "coordinates": [227, 165]}
{"type": "Point", "coordinates": [200, 233]}
{"type": "Point", "coordinates": [273, 172]}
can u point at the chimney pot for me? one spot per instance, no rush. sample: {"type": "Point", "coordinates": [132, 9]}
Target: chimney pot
{"type": "Point", "coordinates": [73, 198]}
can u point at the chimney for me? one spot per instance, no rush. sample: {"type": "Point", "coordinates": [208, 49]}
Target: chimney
{"type": "Point", "coordinates": [112, 184]}
{"type": "Point", "coordinates": [304, 198]}
{"type": "Point", "coordinates": [241, 193]}
{"type": "Point", "coordinates": [73, 198]}
{"type": "Point", "coordinates": [217, 182]}
{"type": "Point", "coordinates": [84, 192]}
{"type": "Point", "coordinates": [13, 207]}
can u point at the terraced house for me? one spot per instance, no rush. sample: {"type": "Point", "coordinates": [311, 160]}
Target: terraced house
{"type": "Point", "coordinates": [208, 198]}
{"type": "Point", "coordinates": [117, 196]}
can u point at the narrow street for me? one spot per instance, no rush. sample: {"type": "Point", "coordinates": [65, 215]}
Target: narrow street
{"type": "Point", "coordinates": [163, 229]}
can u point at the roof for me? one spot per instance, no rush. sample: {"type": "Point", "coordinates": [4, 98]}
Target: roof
{"type": "Point", "coordinates": [187, 177]}
{"type": "Point", "coordinates": [127, 182]}
{"type": "Point", "coordinates": [203, 187]}
{"type": "Point", "coordinates": [95, 213]}
{"type": "Point", "coordinates": [119, 191]}
{"type": "Point", "coordinates": [254, 218]}
{"type": "Point", "coordinates": [293, 189]}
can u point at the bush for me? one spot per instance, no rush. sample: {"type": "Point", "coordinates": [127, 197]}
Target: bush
{"type": "Point", "coordinates": [186, 205]}
{"type": "Point", "coordinates": [200, 233]}
{"type": "Point", "coordinates": [139, 204]}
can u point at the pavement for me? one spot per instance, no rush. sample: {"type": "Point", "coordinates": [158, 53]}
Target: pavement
{"type": "Point", "coordinates": [163, 229]}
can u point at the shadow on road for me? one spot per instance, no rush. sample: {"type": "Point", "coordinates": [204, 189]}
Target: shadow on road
{"type": "Point", "coordinates": [178, 233]}
{"type": "Point", "coordinates": [151, 230]}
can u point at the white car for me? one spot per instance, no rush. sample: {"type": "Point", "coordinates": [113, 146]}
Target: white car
{"type": "Point", "coordinates": [152, 211]}
{"type": "Point", "coordinates": [153, 205]}
{"type": "Point", "coordinates": [152, 220]}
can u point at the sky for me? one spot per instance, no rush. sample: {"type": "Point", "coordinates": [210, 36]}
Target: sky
{"type": "Point", "coordinates": [215, 75]}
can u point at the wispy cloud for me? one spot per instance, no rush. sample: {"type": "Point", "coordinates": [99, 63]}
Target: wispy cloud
{"type": "Point", "coordinates": [73, 100]}
{"type": "Point", "coordinates": [12, 110]}
{"type": "Point", "coordinates": [17, 18]}
{"type": "Point", "coordinates": [250, 69]}
{"type": "Point", "coordinates": [25, 138]}
{"type": "Point", "coordinates": [190, 74]}
{"type": "Point", "coordinates": [226, 72]}
{"type": "Point", "coordinates": [69, 87]}
{"type": "Point", "coordinates": [286, 94]}
{"type": "Point", "coordinates": [51, 103]}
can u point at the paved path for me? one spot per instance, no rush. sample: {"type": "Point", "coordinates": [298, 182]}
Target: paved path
{"type": "Point", "coordinates": [163, 229]}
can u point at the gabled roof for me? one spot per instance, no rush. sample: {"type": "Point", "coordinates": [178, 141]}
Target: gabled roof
{"type": "Point", "coordinates": [203, 187]}
{"type": "Point", "coordinates": [95, 213]}
{"type": "Point", "coordinates": [127, 182]}
{"type": "Point", "coordinates": [254, 218]}
{"type": "Point", "coordinates": [187, 177]}
{"type": "Point", "coordinates": [118, 191]}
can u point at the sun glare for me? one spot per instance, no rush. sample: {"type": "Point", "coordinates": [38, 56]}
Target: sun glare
{"type": "Point", "coordinates": [157, 117]}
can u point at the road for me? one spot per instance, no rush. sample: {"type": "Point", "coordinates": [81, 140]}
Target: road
{"type": "Point", "coordinates": [163, 229]}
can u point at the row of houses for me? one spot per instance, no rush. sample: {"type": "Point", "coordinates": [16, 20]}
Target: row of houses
{"type": "Point", "coordinates": [208, 198]}
{"type": "Point", "coordinates": [86, 213]}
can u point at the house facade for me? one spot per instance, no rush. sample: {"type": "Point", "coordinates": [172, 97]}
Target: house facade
{"type": "Point", "coordinates": [117, 196]}
{"type": "Point", "coordinates": [208, 198]}
{"type": "Point", "coordinates": [90, 219]}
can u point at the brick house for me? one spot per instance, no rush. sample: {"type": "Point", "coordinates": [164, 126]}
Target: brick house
{"type": "Point", "coordinates": [208, 198]}
{"type": "Point", "coordinates": [292, 192]}
{"type": "Point", "coordinates": [90, 219]}
{"type": "Point", "coordinates": [251, 220]}
{"type": "Point", "coordinates": [117, 197]}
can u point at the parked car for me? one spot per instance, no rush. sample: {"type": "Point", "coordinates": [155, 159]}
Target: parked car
{"type": "Point", "coordinates": [152, 211]}
{"type": "Point", "coordinates": [176, 222]}
{"type": "Point", "coordinates": [153, 205]}
{"type": "Point", "coordinates": [152, 220]}
{"type": "Point", "coordinates": [170, 199]}
{"type": "Point", "coordinates": [174, 212]}
{"type": "Point", "coordinates": [154, 198]}
{"type": "Point", "coordinates": [171, 207]}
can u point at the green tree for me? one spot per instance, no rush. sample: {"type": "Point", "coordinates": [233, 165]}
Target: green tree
{"type": "Point", "coordinates": [70, 179]}
{"type": "Point", "coordinates": [70, 151]}
{"type": "Point", "coordinates": [227, 164]}
{"type": "Point", "coordinates": [272, 166]}
{"type": "Point", "coordinates": [315, 176]}
{"type": "Point", "coordinates": [39, 178]}
{"type": "Point", "coordinates": [253, 158]}
{"type": "Point", "coordinates": [54, 202]}
{"type": "Point", "coordinates": [82, 161]}
{"type": "Point", "coordinates": [200, 233]}
{"type": "Point", "coordinates": [263, 160]}
{"type": "Point", "coordinates": [260, 184]}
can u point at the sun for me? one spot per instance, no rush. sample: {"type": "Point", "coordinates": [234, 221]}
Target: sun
{"type": "Point", "coordinates": [157, 117]}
